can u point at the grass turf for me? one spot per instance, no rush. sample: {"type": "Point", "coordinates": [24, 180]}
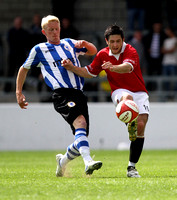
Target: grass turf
{"type": "Point", "coordinates": [31, 176]}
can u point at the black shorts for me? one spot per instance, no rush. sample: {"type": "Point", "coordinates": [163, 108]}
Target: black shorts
{"type": "Point", "coordinates": [71, 103]}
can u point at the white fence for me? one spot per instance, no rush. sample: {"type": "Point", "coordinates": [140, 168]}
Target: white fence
{"type": "Point", "coordinates": [163, 89]}
{"type": "Point", "coordinates": [40, 127]}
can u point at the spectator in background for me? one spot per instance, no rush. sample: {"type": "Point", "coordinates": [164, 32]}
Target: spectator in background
{"type": "Point", "coordinates": [169, 61]}
{"type": "Point", "coordinates": [35, 31]}
{"type": "Point", "coordinates": [36, 38]}
{"type": "Point", "coordinates": [137, 43]}
{"type": "Point", "coordinates": [68, 30]}
{"type": "Point", "coordinates": [136, 14]}
{"type": "Point", "coordinates": [18, 43]}
{"type": "Point", "coordinates": [153, 43]}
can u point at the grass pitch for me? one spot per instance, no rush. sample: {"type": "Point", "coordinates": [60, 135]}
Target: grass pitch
{"type": "Point", "coordinates": [31, 176]}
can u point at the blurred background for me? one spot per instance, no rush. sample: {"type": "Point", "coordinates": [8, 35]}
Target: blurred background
{"type": "Point", "coordinates": [149, 26]}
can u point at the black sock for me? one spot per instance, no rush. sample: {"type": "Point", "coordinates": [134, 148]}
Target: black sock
{"type": "Point", "coordinates": [136, 148]}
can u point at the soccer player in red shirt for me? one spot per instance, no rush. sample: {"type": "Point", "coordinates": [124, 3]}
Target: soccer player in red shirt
{"type": "Point", "coordinates": [121, 63]}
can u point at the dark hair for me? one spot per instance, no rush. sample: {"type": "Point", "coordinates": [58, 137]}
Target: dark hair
{"type": "Point", "coordinates": [113, 30]}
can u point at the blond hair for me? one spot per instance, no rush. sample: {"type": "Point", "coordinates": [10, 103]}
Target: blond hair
{"type": "Point", "coordinates": [47, 19]}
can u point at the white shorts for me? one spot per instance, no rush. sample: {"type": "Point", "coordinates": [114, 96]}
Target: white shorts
{"type": "Point", "coordinates": [140, 98]}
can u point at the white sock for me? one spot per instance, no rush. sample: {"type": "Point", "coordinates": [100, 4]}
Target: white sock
{"type": "Point", "coordinates": [85, 153]}
{"type": "Point", "coordinates": [131, 164]}
{"type": "Point", "coordinates": [82, 144]}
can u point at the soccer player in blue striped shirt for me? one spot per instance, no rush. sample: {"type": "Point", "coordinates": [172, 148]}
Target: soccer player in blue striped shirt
{"type": "Point", "coordinates": [68, 97]}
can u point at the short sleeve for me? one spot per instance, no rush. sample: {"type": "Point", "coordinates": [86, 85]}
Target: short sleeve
{"type": "Point", "coordinates": [95, 67]}
{"type": "Point", "coordinates": [131, 56]}
{"type": "Point", "coordinates": [79, 51]}
{"type": "Point", "coordinates": [32, 59]}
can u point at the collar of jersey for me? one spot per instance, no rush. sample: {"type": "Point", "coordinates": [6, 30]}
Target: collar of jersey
{"type": "Point", "coordinates": [61, 44]}
{"type": "Point", "coordinates": [118, 55]}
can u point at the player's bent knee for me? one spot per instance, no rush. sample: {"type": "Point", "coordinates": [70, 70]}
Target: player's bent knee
{"type": "Point", "coordinates": [127, 97]}
{"type": "Point", "coordinates": [80, 122]}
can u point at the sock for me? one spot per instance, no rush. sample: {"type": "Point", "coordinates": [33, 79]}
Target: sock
{"type": "Point", "coordinates": [131, 164]}
{"type": "Point", "coordinates": [82, 144]}
{"type": "Point", "coordinates": [136, 148]}
{"type": "Point", "coordinates": [71, 153]}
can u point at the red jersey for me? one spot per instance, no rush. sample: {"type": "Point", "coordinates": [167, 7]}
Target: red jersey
{"type": "Point", "coordinates": [132, 81]}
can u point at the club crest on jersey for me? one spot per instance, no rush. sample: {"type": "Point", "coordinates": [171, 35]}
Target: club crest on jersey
{"type": "Point", "coordinates": [67, 47]}
{"type": "Point", "coordinates": [71, 104]}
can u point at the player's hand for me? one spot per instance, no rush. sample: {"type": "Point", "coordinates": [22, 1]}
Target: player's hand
{"type": "Point", "coordinates": [80, 44]}
{"type": "Point", "coordinates": [21, 100]}
{"type": "Point", "coordinates": [67, 64]}
{"type": "Point", "coordinates": [107, 65]}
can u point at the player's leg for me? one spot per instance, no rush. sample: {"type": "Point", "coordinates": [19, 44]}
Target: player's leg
{"type": "Point", "coordinates": [82, 144]}
{"type": "Point", "coordinates": [81, 140]}
{"type": "Point", "coordinates": [75, 111]}
{"type": "Point", "coordinates": [136, 146]}
{"type": "Point", "coordinates": [136, 128]}
{"type": "Point", "coordinates": [79, 147]}
{"type": "Point", "coordinates": [64, 104]}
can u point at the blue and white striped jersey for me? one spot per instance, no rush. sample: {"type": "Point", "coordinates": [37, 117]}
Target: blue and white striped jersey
{"type": "Point", "coordinates": [48, 57]}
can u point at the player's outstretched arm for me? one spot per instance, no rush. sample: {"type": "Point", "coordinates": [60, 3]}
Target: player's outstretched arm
{"type": "Point", "coordinates": [80, 71]}
{"type": "Point", "coordinates": [91, 49]}
{"type": "Point", "coordinates": [122, 68]}
{"type": "Point", "coordinates": [21, 77]}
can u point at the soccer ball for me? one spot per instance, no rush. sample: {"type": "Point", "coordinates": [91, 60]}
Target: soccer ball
{"type": "Point", "coordinates": [127, 111]}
